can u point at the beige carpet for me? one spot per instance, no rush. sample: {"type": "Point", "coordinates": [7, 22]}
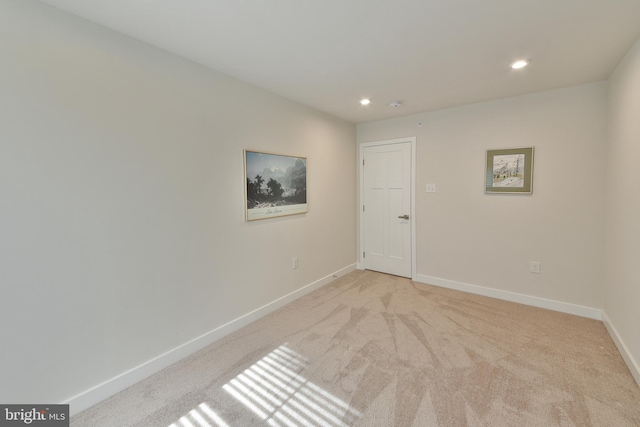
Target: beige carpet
{"type": "Point", "coordinates": [377, 350]}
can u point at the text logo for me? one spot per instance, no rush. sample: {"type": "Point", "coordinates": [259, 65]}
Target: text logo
{"type": "Point", "coordinates": [34, 415]}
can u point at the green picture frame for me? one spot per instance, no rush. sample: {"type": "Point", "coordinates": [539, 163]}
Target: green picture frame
{"type": "Point", "coordinates": [509, 171]}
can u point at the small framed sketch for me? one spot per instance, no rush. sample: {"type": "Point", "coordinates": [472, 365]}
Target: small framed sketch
{"type": "Point", "coordinates": [509, 170]}
{"type": "Point", "coordinates": [276, 185]}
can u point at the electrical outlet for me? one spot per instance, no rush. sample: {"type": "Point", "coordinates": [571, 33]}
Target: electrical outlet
{"type": "Point", "coordinates": [431, 188]}
{"type": "Point", "coordinates": [294, 263]}
{"type": "Point", "coordinates": [535, 267]}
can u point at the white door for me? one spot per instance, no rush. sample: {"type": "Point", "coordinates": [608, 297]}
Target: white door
{"type": "Point", "coordinates": [387, 208]}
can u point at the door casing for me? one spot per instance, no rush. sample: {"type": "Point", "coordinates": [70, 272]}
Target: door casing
{"type": "Point", "coordinates": [412, 219]}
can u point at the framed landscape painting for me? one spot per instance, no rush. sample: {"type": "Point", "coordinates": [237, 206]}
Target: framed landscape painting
{"type": "Point", "coordinates": [509, 170]}
{"type": "Point", "coordinates": [276, 185]}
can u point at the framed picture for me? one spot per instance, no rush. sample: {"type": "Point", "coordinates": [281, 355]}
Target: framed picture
{"type": "Point", "coordinates": [275, 185]}
{"type": "Point", "coordinates": [509, 170]}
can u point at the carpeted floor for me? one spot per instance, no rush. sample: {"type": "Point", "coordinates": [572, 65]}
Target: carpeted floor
{"type": "Point", "coordinates": [376, 350]}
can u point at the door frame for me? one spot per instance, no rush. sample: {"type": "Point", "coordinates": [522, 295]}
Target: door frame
{"type": "Point", "coordinates": [412, 191]}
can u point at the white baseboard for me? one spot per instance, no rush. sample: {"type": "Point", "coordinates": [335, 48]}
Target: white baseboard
{"type": "Point", "coordinates": [126, 379]}
{"type": "Point", "coordinates": [589, 312]}
{"type": "Point", "coordinates": [632, 364]}
{"type": "Point", "coordinates": [563, 307]}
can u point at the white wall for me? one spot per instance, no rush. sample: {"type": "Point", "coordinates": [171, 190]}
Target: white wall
{"type": "Point", "coordinates": [467, 237]}
{"type": "Point", "coordinates": [122, 233]}
{"type": "Point", "coordinates": [622, 285]}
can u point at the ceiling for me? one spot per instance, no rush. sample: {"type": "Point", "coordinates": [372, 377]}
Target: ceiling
{"type": "Point", "coordinates": [428, 54]}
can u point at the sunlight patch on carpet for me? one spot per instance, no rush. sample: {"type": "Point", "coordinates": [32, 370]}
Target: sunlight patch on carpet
{"type": "Point", "coordinates": [202, 416]}
{"type": "Point", "coordinates": [273, 390]}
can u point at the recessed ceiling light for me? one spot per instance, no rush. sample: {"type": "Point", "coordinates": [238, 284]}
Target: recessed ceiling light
{"type": "Point", "coordinates": [520, 64]}
{"type": "Point", "coordinates": [365, 101]}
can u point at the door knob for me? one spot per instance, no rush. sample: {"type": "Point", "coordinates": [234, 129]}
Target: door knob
{"type": "Point", "coordinates": [404, 217]}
